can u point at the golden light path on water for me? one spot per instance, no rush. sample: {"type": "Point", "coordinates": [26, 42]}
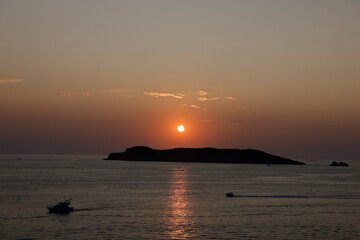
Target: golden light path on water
{"type": "Point", "coordinates": [180, 223]}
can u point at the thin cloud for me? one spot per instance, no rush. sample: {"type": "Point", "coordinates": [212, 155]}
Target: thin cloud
{"type": "Point", "coordinates": [11, 80]}
{"type": "Point", "coordinates": [195, 106]}
{"type": "Point", "coordinates": [73, 93]}
{"type": "Point", "coordinates": [230, 98]}
{"type": "Point", "coordinates": [121, 95]}
{"type": "Point", "coordinates": [203, 93]}
{"type": "Point", "coordinates": [158, 94]}
{"type": "Point", "coordinates": [116, 90]}
{"type": "Point", "coordinates": [204, 99]}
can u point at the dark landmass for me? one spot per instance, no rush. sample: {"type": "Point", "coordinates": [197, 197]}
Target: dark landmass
{"type": "Point", "coordinates": [339, 164]}
{"type": "Point", "coordinates": [204, 155]}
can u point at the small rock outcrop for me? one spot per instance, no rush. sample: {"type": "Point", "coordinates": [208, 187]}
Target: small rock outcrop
{"type": "Point", "coordinates": [339, 164]}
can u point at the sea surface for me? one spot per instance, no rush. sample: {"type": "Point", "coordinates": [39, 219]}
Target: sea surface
{"type": "Point", "coordinates": [152, 200]}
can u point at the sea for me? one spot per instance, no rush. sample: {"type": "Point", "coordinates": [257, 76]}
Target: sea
{"type": "Point", "coordinates": [157, 200]}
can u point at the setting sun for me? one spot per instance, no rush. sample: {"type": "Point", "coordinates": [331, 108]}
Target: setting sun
{"type": "Point", "coordinates": [181, 128]}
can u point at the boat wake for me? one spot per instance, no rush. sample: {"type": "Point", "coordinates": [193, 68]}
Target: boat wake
{"type": "Point", "coordinates": [85, 209]}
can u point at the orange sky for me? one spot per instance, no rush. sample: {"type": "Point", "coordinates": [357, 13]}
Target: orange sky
{"type": "Point", "coordinates": [91, 77]}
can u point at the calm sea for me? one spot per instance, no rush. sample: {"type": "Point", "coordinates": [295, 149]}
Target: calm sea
{"type": "Point", "coordinates": [149, 200]}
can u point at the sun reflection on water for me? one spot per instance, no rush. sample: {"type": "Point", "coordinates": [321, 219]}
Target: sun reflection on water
{"type": "Point", "coordinates": [180, 224]}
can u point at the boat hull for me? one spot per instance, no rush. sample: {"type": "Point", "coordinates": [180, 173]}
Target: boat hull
{"type": "Point", "coordinates": [60, 210]}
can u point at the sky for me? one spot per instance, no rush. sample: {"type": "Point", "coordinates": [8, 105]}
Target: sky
{"type": "Point", "coordinates": [93, 77]}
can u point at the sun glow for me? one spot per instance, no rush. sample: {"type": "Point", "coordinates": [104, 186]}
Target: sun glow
{"type": "Point", "coordinates": [181, 128]}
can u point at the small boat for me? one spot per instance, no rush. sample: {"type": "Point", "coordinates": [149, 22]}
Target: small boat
{"type": "Point", "coordinates": [62, 207]}
{"type": "Point", "coordinates": [230, 194]}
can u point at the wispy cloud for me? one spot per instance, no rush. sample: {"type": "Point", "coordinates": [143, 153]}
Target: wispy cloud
{"type": "Point", "coordinates": [73, 93]}
{"type": "Point", "coordinates": [230, 98]}
{"type": "Point", "coordinates": [204, 99]}
{"type": "Point", "coordinates": [203, 93]}
{"type": "Point", "coordinates": [158, 94]}
{"type": "Point", "coordinates": [116, 90]}
{"type": "Point", "coordinates": [195, 106]}
{"type": "Point", "coordinates": [10, 80]}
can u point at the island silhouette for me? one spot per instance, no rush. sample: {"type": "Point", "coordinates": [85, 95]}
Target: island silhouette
{"type": "Point", "coordinates": [201, 155]}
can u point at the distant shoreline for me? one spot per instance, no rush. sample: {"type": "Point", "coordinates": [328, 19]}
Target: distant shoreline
{"type": "Point", "coordinates": [200, 155]}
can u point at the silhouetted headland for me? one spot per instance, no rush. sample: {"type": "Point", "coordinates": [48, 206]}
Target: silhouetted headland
{"type": "Point", "coordinates": [204, 155]}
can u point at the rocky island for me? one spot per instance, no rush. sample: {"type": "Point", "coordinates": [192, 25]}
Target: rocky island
{"type": "Point", "coordinates": [203, 155]}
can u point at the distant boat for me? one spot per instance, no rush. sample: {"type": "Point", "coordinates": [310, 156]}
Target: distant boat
{"type": "Point", "coordinates": [62, 207]}
{"type": "Point", "coordinates": [230, 194]}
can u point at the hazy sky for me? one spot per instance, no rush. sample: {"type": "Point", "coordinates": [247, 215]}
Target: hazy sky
{"type": "Point", "coordinates": [100, 76]}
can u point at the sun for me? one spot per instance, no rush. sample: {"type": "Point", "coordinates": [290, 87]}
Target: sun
{"type": "Point", "coordinates": [181, 128]}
